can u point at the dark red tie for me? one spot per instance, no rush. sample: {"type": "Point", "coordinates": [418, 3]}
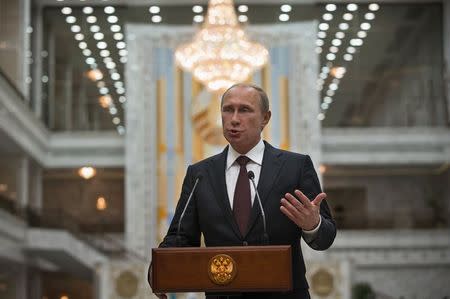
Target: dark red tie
{"type": "Point", "coordinates": [241, 202]}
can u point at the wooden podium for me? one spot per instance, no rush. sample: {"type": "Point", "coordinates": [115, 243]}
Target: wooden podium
{"type": "Point", "coordinates": [222, 269]}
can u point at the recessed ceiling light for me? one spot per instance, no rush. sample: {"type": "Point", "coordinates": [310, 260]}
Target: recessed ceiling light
{"type": "Point", "coordinates": [102, 45]}
{"type": "Point", "coordinates": [109, 9]}
{"type": "Point", "coordinates": [91, 19]}
{"type": "Point", "coordinates": [328, 100]}
{"type": "Point", "coordinates": [79, 36]}
{"type": "Point", "coordinates": [122, 99]}
{"type": "Point", "coordinates": [374, 7]}
{"type": "Point", "coordinates": [347, 16]}
{"type": "Point", "coordinates": [82, 45]}
{"type": "Point", "coordinates": [111, 65]}
{"type": "Point", "coordinates": [365, 26]}
{"type": "Point", "coordinates": [118, 84]}
{"type": "Point", "coordinates": [156, 19]}
{"type": "Point", "coordinates": [330, 7]}
{"type": "Point", "coordinates": [90, 60]}
{"type": "Point", "coordinates": [340, 34]}
{"type": "Point", "coordinates": [324, 26]}
{"type": "Point", "coordinates": [198, 18]}
{"type": "Point", "coordinates": [113, 110]}
{"type": "Point", "coordinates": [123, 52]}
{"type": "Point", "coordinates": [154, 9]}
{"type": "Point", "coordinates": [330, 92]}
{"type": "Point", "coordinates": [112, 19]}
{"type": "Point", "coordinates": [123, 59]}
{"type": "Point", "coordinates": [66, 10]}
{"type": "Point", "coordinates": [88, 10]}
{"type": "Point", "coordinates": [120, 130]}
{"type": "Point", "coordinates": [361, 34]}
{"type": "Point", "coordinates": [334, 49]}
{"type": "Point", "coordinates": [115, 28]}
{"type": "Point", "coordinates": [75, 28]}
{"type": "Point", "coordinates": [118, 36]}
{"type": "Point", "coordinates": [116, 120]}
{"type": "Point", "coordinates": [348, 57]}
{"type": "Point", "coordinates": [98, 36]}
{"type": "Point", "coordinates": [95, 28]}
{"type": "Point", "coordinates": [121, 45]}
{"type": "Point", "coordinates": [327, 17]}
{"type": "Point", "coordinates": [243, 8]}
{"type": "Point", "coordinates": [356, 42]}
{"type": "Point", "coordinates": [321, 34]}
{"type": "Point", "coordinates": [71, 19]}
{"type": "Point", "coordinates": [343, 26]}
{"type": "Point", "coordinates": [351, 50]}
{"type": "Point", "coordinates": [331, 56]}
{"type": "Point", "coordinates": [197, 8]}
{"type": "Point", "coordinates": [336, 42]}
{"type": "Point", "coordinates": [369, 16]}
{"type": "Point", "coordinates": [104, 53]}
{"type": "Point", "coordinates": [286, 8]}
{"type": "Point", "coordinates": [87, 52]}
{"type": "Point", "coordinates": [284, 17]}
{"type": "Point", "coordinates": [352, 7]}
{"type": "Point", "coordinates": [115, 76]}
{"type": "Point", "coordinates": [324, 106]}
{"type": "Point", "coordinates": [243, 18]}
{"type": "Point", "coordinates": [103, 90]}
{"type": "Point", "coordinates": [321, 116]}
{"type": "Point", "coordinates": [319, 43]}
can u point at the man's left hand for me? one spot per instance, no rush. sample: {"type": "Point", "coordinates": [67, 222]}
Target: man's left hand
{"type": "Point", "coordinates": [303, 212]}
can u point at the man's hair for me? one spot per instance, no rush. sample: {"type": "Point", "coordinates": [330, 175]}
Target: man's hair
{"type": "Point", "coordinates": [264, 99]}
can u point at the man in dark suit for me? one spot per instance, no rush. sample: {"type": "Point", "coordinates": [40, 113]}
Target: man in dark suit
{"type": "Point", "coordinates": [224, 207]}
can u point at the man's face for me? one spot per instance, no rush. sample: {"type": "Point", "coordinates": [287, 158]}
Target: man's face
{"type": "Point", "coordinates": [242, 118]}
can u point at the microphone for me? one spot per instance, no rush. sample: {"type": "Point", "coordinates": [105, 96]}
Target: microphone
{"type": "Point", "coordinates": [251, 176]}
{"type": "Point", "coordinates": [178, 238]}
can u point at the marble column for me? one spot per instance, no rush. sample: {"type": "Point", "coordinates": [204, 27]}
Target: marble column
{"type": "Point", "coordinates": [23, 179]}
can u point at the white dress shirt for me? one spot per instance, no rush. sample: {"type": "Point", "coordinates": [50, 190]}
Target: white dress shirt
{"type": "Point", "coordinates": [232, 168]}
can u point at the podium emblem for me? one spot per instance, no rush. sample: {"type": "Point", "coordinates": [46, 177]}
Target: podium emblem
{"type": "Point", "coordinates": [222, 269]}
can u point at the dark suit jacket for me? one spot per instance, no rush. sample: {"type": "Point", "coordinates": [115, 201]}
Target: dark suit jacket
{"type": "Point", "coordinates": [210, 213]}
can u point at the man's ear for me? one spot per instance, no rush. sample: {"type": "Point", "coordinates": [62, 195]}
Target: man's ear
{"type": "Point", "coordinates": [266, 119]}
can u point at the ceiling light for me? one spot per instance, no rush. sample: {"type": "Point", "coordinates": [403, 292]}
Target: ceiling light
{"type": "Point", "coordinates": [156, 19]}
{"type": "Point", "coordinates": [98, 36]}
{"type": "Point", "coordinates": [87, 52]}
{"type": "Point", "coordinates": [109, 10]}
{"type": "Point", "coordinates": [325, 69]}
{"type": "Point", "coordinates": [115, 76]}
{"type": "Point", "coordinates": [86, 172]}
{"type": "Point", "coordinates": [347, 16]}
{"type": "Point", "coordinates": [154, 9]}
{"type": "Point", "coordinates": [374, 7]}
{"type": "Point", "coordinates": [79, 36]}
{"type": "Point", "coordinates": [122, 99]}
{"type": "Point", "coordinates": [319, 42]}
{"type": "Point", "coordinates": [113, 110]}
{"type": "Point", "coordinates": [103, 90]}
{"type": "Point", "coordinates": [123, 52]}
{"type": "Point", "coordinates": [44, 79]}
{"type": "Point", "coordinates": [333, 86]}
{"type": "Point", "coordinates": [286, 8]}
{"type": "Point", "coordinates": [118, 84]}
{"type": "Point", "coordinates": [197, 8]}
{"type": "Point", "coordinates": [75, 28]}
{"type": "Point", "coordinates": [338, 73]}
{"type": "Point", "coordinates": [324, 106]}
{"type": "Point", "coordinates": [82, 45]}
{"type": "Point", "coordinates": [95, 28]}
{"type": "Point", "coordinates": [318, 50]}
{"type": "Point", "coordinates": [66, 10]}
{"type": "Point", "coordinates": [365, 26]}
{"type": "Point", "coordinates": [110, 65]}
{"type": "Point", "coordinates": [107, 59]}
{"type": "Point", "coordinates": [336, 42]}
{"type": "Point", "coordinates": [324, 26]}
{"type": "Point", "coordinates": [90, 60]}
{"type": "Point", "coordinates": [321, 116]}
{"type": "Point", "coordinates": [328, 100]}
{"type": "Point", "coordinates": [121, 45]}
{"type": "Point", "coordinates": [102, 45]}
{"type": "Point", "coordinates": [321, 34]}
{"type": "Point", "coordinates": [330, 92]}
{"type": "Point", "coordinates": [118, 36]}
{"type": "Point", "coordinates": [323, 76]}
{"type": "Point", "coordinates": [115, 28]}
{"type": "Point", "coordinates": [242, 8]}
{"type": "Point", "coordinates": [120, 91]}
{"type": "Point", "coordinates": [198, 18]}
{"type": "Point", "coordinates": [123, 59]}
{"type": "Point", "coordinates": [331, 56]}
{"type": "Point", "coordinates": [361, 34]}
{"type": "Point", "coordinates": [120, 130]}
{"type": "Point", "coordinates": [352, 7]}
{"type": "Point", "coordinates": [71, 19]}
{"type": "Point", "coordinates": [327, 17]}
{"type": "Point", "coordinates": [351, 50]}
{"type": "Point", "coordinates": [91, 19]}
{"type": "Point", "coordinates": [101, 204]}
{"type": "Point", "coordinates": [112, 19]}
{"type": "Point", "coordinates": [340, 35]}
{"type": "Point", "coordinates": [369, 16]}
{"type": "Point", "coordinates": [330, 7]}
{"type": "Point", "coordinates": [243, 18]}
{"type": "Point", "coordinates": [356, 42]}
{"type": "Point", "coordinates": [88, 10]}
{"type": "Point", "coordinates": [348, 57]}
{"type": "Point", "coordinates": [116, 120]}
{"type": "Point", "coordinates": [334, 49]}
{"type": "Point", "coordinates": [343, 26]}
{"type": "Point", "coordinates": [104, 53]}
{"type": "Point", "coordinates": [284, 17]}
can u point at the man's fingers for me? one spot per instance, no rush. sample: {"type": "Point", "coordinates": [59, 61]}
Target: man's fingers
{"type": "Point", "coordinates": [319, 199]}
{"type": "Point", "coordinates": [302, 197]}
{"type": "Point", "coordinates": [286, 212]}
{"type": "Point", "coordinates": [292, 205]}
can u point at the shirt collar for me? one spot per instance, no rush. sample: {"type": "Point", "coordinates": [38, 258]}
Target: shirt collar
{"type": "Point", "coordinates": [255, 154]}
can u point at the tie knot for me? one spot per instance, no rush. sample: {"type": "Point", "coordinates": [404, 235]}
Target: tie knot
{"type": "Point", "coordinates": [242, 160]}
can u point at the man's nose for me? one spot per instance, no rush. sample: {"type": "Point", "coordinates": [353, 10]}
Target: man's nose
{"type": "Point", "coordinates": [235, 118]}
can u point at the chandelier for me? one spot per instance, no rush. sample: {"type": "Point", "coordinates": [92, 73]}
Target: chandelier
{"type": "Point", "coordinates": [220, 54]}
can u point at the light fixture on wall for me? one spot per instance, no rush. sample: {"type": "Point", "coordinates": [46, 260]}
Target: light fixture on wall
{"type": "Point", "coordinates": [87, 172]}
{"type": "Point", "coordinates": [221, 54]}
{"type": "Point", "coordinates": [101, 203]}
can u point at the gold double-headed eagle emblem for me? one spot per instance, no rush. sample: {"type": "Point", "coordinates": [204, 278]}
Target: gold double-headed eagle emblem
{"type": "Point", "coordinates": [222, 269]}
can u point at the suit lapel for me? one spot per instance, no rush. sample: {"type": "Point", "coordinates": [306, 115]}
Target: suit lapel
{"type": "Point", "coordinates": [271, 166]}
{"type": "Point", "coordinates": [216, 173]}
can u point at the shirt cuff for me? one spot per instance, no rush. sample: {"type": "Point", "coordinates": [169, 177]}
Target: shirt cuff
{"type": "Point", "coordinates": [313, 231]}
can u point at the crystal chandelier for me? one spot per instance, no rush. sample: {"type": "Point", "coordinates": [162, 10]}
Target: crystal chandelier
{"type": "Point", "coordinates": [221, 55]}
